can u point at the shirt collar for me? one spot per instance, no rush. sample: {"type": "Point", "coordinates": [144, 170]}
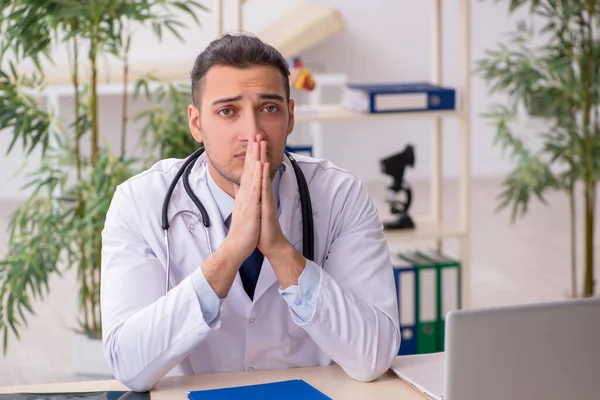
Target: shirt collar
{"type": "Point", "coordinates": [225, 202]}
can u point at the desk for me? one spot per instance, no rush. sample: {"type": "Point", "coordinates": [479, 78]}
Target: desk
{"type": "Point", "coordinates": [330, 380]}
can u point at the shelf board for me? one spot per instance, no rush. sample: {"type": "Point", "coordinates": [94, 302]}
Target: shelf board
{"type": "Point", "coordinates": [423, 231]}
{"type": "Point", "coordinates": [334, 112]}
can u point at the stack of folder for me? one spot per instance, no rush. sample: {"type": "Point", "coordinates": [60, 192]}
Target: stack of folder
{"type": "Point", "coordinates": [398, 97]}
{"type": "Point", "coordinates": [428, 285]}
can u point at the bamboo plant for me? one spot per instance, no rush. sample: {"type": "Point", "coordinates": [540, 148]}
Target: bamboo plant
{"type": "Point", "coordinates": [59, 225]}
{"type": "Point", "coordinates": [165, 130]}
{"type": "Point", "coordinates": [551, 72]}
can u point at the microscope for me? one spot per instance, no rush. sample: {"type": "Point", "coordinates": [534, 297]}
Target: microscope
{"type": "Point", "coordinates": [394, 166]}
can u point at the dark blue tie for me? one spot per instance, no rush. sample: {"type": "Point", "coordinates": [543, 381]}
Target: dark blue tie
{"type": "Point", "coordinates": [250, 268]}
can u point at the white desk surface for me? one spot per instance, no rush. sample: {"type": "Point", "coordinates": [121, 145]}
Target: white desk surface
{"type": "Point", "coordinates": [330, 380]}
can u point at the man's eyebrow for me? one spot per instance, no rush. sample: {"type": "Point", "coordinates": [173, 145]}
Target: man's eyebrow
{"type": "Point", "coordinates": [226, 100]}
{"type": "Point", "coordinates": [270, 96]}
{"type": "Point", "coordinates": [262, 96]}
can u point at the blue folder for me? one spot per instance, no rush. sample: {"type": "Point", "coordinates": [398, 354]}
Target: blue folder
{"type": "Point", "coordinates": [291, 390]}
{"type": "Point", "coordinates": [299, 149]}
{"type": "Point", "coordinates": [408, 329]}
{"type": "Point", "coordinates": [437, 97]}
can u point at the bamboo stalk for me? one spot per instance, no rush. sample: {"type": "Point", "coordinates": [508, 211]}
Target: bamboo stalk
{"type": "Point", "coordinates": [125, 99]}
{"type": "Point", "coordinates": [588, 289]}
{"type": "Point", "coordinates": [96, 276]}
{"type": "Point", "coordinates": [572, 209]}
{"type": "Point", "coordinates": [77, 116]}
{"type": "Point", "coordinates": [94, 97]}
{"type": "Point", "coordinates": [594, 132]}
{"type": "Point", "coordinates": [94, 158]}
{"type": "Point", "coordinates": [81, 245]}
{"type": "Point", "coordinates": [574, 138]}
{"type": "Point", "coordinates": [591, 280]}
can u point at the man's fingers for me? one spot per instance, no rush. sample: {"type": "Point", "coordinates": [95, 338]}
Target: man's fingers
{"type": "Point", "coordinates": [256, 151]}
{"type": "Point", "coordinates": [251, 153]}
{"type": "Point", "coordinates": [247, 165]}
{"type": "Point", "coordinates": [257, 181]}
{"type": "Point", "coordinates": [263, 151]}
{"type": "Point", "coordinates": [250, 159]}
{"type": "Point", "coordinates": [266, 195]}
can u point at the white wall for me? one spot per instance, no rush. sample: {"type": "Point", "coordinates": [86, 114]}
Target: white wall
{"type": "Point", "coordinates": [385, 40]}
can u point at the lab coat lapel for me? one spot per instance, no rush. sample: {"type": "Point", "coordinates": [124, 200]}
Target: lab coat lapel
{"type": "Point", "coordinates": [181, 203]}
{"type": "Point", "coordinates": [217, 227]}
{"type": "Point", "coordinates": [289, 200]}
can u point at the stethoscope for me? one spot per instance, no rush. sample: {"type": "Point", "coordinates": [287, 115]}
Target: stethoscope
{"type": "Point", "coordinates": [186, 168]}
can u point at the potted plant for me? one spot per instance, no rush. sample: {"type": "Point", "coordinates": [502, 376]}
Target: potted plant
{"type": "Point", "coordinates": [558, 82]}
{"type": "Point", "coordinates": [59, 225]}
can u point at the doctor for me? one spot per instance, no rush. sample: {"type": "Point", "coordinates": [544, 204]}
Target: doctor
{"type": "Point", "coordinates": [241, 296]}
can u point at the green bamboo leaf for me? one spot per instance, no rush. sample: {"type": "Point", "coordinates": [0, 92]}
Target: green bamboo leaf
{"type": "Point", "coordinates": [157, 28]}
{"type": "Point", "coordinates": [172, 25]}
{"type": "Point", "coordinates": [12, 143]}
{"type": "Point", "coordinates": [188, 10]}
{"type": "Point", "coordinates": [5, 338]}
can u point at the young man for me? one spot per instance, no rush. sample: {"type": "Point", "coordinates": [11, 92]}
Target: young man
{"type": "Point", "coordinates": [242, 295]}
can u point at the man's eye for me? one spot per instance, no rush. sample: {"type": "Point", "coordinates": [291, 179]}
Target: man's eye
{"type": "Point", "coordinates": [271, 109]}
{"type": "Point", "coordinates": [225, 112]}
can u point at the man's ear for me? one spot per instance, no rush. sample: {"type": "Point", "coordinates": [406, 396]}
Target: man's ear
{"type": "Point", "coordinates": [194, 123]}
{"type": "Point", "coordinates": [291, 105]}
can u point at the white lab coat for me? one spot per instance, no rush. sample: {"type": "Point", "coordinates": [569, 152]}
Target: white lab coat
{"type": "Point", "coordinates": [148, 334]}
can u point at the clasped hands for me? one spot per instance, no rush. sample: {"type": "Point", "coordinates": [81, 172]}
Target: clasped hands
{"type": "Point", "coordinates": [254, 223]}
{"type": "Point", "coordinates": [254, 220]}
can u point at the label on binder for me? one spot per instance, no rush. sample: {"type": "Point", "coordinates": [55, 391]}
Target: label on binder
{"type": "Point", "coordinates": [406, 101]}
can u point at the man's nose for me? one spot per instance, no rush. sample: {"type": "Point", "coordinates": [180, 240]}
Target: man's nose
{"type": "Point", "coordinates": [250, 126]}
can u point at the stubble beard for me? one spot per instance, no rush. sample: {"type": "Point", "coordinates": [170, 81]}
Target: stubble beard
{"type": "Point", "coordinates": [236, 179]}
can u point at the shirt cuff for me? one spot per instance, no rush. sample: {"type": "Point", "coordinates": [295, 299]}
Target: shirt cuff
{"type": "Point", "coordinates": [210, 303]}
{"type": "Point", "coordinates": [301, 298]}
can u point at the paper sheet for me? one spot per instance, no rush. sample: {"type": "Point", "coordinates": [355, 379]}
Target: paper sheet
{"type": "Point", "coordinates": [424, 372]}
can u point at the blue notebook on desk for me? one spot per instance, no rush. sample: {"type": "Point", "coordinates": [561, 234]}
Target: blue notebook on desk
{"type": "Point", "coordinates": [290, 390]}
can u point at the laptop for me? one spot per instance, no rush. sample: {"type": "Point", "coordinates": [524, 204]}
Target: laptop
{"type": "Point", "coordinates": [548, 351]}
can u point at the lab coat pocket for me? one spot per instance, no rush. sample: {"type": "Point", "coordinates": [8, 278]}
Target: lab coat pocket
{"type": "Point", "coordinates": [194, 226]}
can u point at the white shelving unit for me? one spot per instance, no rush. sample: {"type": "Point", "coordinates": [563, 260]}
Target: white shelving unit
{"type": "Point", "coordinates": [334, 112]}
{"type": "Point", "coordinates": [429, 227]}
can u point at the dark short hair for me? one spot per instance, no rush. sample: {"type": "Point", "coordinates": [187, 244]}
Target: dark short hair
{"type": "Point", "coordinates": [239, 51]}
